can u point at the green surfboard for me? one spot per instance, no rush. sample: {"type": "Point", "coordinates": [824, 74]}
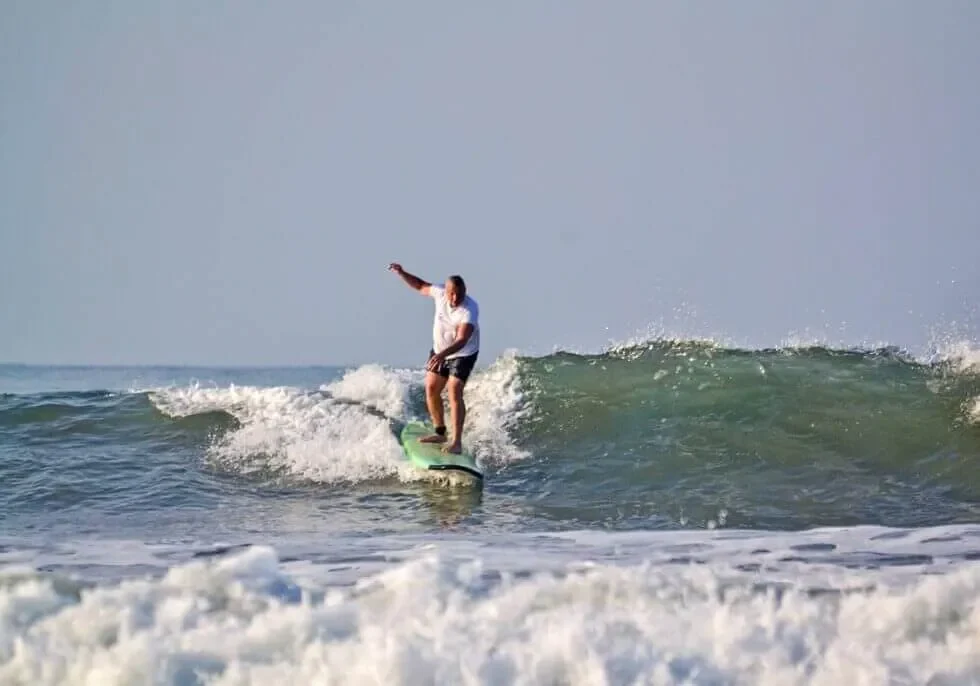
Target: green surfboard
{"type": "Point", "coordinates": [430, 455]}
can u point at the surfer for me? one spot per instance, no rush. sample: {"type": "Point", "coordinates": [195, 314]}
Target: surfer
{"type": "Point", "coordinates": [455, 346]}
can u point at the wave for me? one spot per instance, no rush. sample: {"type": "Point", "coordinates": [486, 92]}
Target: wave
{"type": "Point", "coordinates": [812, 427]}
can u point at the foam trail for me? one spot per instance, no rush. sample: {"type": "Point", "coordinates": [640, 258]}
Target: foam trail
{"type": "Point", "coordinates": [341, 437]}
{"type": "Point", "coordinates": [285, 429]}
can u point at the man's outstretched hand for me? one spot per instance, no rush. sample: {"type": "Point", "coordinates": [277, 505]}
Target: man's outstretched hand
{"type": "Point", "coordinates": [413, 281]}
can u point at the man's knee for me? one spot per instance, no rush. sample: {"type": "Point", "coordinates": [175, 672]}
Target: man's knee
{"type": "Point", "coordinates": [434, 383]}
{"type": "Point", "coordinates": [455, 390]}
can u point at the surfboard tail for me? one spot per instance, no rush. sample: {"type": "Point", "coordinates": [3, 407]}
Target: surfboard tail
{"type": "Point", "coordinates": [458, 468]}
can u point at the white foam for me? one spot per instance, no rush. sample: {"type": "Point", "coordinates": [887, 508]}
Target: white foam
{"type": "Point", "coordinates": [494, 402]}
{"type": "Point", "coordinates": [965, 355]}
{"type": "Point", "coordinates": [973, 410]}
{"type": "Point", "coordinates": [306, 435]}
{"type": "Point", "coordinates": [494, 405]}
{"type": "Point", "coordinates": [437, 620]}
{"type": "Point", "coordinates": [344, 432]}
{"type": "Point", "coordinates": [962, 355]}
{"type": "Point", "coordinates": [376, 386]}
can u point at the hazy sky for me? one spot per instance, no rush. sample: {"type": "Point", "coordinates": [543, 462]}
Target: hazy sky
{"type": "Point", "coordinates": [225, 182]}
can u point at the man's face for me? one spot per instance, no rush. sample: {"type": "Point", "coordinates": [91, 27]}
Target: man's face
{"type": "Point", "coordinates": [453, 294]}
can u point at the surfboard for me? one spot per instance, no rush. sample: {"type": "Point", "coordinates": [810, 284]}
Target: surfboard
{"type": "Point", "coordinates": [430, 455]}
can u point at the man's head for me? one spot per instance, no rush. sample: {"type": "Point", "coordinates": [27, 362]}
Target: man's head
{"type": "Point", "coordinates": [455, 290]}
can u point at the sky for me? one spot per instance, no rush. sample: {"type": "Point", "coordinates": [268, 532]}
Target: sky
{"type": "Point", "coordinates": [224, 183]}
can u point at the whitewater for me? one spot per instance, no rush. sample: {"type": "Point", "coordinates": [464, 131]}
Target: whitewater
{"type": "Point", "coordinates": [660, 512]}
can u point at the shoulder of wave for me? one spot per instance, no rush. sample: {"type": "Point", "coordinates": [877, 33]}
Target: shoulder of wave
{"type": "Point", "coordinates": [961, 357]}
{"type": "Point", "coordinates": [69, 395]}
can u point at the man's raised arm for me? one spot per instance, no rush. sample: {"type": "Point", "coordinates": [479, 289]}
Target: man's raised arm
{"type": "Point", "coordinates": [421, 285]}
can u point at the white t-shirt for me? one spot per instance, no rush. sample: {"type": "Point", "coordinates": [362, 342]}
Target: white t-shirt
{"type": "Point", "coordinates": [447, 318]}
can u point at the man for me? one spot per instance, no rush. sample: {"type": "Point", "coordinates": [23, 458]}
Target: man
{"type": "Point", "coordinates": [455, 346]}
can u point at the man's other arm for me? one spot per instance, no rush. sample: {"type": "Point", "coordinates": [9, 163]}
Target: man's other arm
{"type": "Point", "coordinates": [463, 333]}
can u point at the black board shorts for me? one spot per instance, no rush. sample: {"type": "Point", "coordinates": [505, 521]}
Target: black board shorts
{"type": "Point", "coordinates": [460, 367]}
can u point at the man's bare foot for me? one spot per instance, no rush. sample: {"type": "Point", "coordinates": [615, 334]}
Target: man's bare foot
{"type": "Point", "coordinates": [434, 438]}
{"type": "Point", "coordinates": [455, 447]}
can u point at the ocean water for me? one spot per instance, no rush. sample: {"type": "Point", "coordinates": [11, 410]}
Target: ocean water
{"type": "Point", "coordinates": [670, 512]}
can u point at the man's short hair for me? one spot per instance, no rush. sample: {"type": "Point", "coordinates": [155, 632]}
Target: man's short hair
{"type": "Point", "coordinates": [457, 281]}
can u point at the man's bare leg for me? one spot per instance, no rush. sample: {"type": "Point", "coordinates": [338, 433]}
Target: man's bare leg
{"type": "Point", "coordinates": [433, 400]}
{"type": "Point", "coordinates": [457, 409]}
